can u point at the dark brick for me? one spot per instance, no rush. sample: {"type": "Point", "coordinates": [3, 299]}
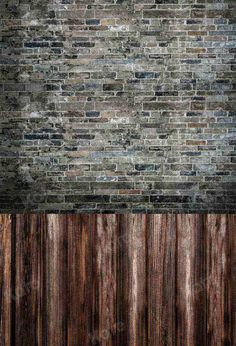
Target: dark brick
{"type": "Point", "coordinates": [36, 136]}
{"type": "Point", "coordinates": [146, 167]}
{"type": "Point", "coordinates": [165, 13]}
{"type": "Point", "coordinates": [87, 199]}
{"type": "Point", "coordinates": [166, 1]}
{"type": "Point", "coordinates": [92, 114]}
{"type": "Point", "coordinates": [191, 61]}
{"type": "Point", "coordinates": [130, 198]}
{"type": "Point", "coordinates": [57, 136]}
{"type": "Point", "coordinates": [170, 199]}
{"type": "Point", "coordinates": [174, 186]}
{"type": "Point", "coordinates": [144, 75]}
{"type": "Point", "coordinates": [92, 22]}
{"type": "Point", "coordinates": [84, 44]}
{"type": "Point", "coordinates": [112, 87]}
{"type": "Point", "coordinates": [83, 136]}
{"type": "Point", "coordinates": [55, 199]}
{"type": "Point", "coordinates": [36, 44]}
{"type": "Point", "coordinates": [166, 93]}
{"type": "Point", "coordinates": [112, 185]}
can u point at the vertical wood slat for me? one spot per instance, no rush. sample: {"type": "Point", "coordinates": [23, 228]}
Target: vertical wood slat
{"type": "Point", "coordinates": [231, 280]}
{"type": "Point", "coordinates": [79, 279]}
{"type": "Point", "coordinates": [122, 281]}
{"type": "Point", "coordinates": [190, 280]}
{"type": "Point", "coordinates": [220, 241]}
{"type": "Point", "coordinates": [105, 265]}
{"type": "Point", "coordinates": [131, 281]}
{"type": "Point", "coordinates": [161, 273]}
{"type": "Point", "coordinates": [5, 279]}
{"type": "Point", "coordinates": [56, 279]}
{"type": "Point", "coordinates": [136, 232]}
{"type": "Point", "coordinates": [28, 298]}
{"type": "Point", "coordinates": [118, 279]}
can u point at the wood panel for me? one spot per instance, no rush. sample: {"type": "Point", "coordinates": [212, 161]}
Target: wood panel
{"type": "Point", "coordinates": [125, 279]}
{"type": "Point", "coordinates": [161, 279]}
{"type": "Point", "coordinates": [5, 279]}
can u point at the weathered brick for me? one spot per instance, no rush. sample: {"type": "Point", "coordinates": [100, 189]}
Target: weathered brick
{"type": "Point", "coordinates": [166, 1]}
{"type": "Point", "coordinates": [117, 105]}
{"type": "Point", "coordinates": [165, 13]}
{"type": "Point", "coordinates": [174, 186]}
{"type": "Point", "coordinates": [84, 44]}
{"type": "Point", "coordinates": [36, 136]}
{"type": "Point", "coordinates": [170, 199]}
{"type": "Point", "coordinates": [145, 167]}
{"type": "Point", "coordinates": [36, 44]}
{"type": "Point", "coordinates": [87, 198]}
{"type": "Point", "coordinates": [92, 21]}
{"type": "Point", "coordinates": [130, 198]}
{"type": "Point", "coordinates": [166, 106]}
{"type": "Point", "coordinates": [144, 75]}
{"type": "Point", "coordinates": [92, 114]}
{"type": "Point", "coordinates": [112, 87]}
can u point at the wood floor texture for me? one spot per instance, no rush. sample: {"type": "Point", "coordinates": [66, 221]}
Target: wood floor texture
{"type": "Point", "coordinates": [131, 279]}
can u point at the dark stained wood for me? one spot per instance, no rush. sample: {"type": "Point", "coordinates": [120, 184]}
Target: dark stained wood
{"type": "Point", "coordinates": [190, 281]}
{"type": "Point", "coordinates": [136, 246]}
{"type": "Point", "coordinates": [79, 278]}
{"type": "Point", "coordinates": [5, 280]}
{"type": "Point", "coordinates": [28, 298]}
{"type": "Point", "coordinates": [161, 279]}
{"type": "Point", "coordinates": [56, 270]}
{"type": "Point", "coordinates": [122, 284]}
{"type": "Point", "coordinates": [104, 265]}
{"type": "Point", "coordinates": [128, 279]}
{"type": "Point", "coordinates": [218, 285]}
{"type": "Point", "coordinates": [231, 279]}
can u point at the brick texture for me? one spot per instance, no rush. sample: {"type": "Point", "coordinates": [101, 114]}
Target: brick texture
{"type": "Point", "coordinates": [116, 106]}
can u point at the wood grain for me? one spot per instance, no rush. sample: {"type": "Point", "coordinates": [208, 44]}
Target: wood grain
{"type": "Point", "coordinates": [5, 280]}
{"type": "Point", "coordinates": [161, 279]}
{"type": "Point", "coordinates": [79, 278]}
{"type": "Point", "coordinates": [104, 272]}
{"type": "Point", "coordinates": [118, 279]}
{"type": "Point", "coordinates": [190, 280]}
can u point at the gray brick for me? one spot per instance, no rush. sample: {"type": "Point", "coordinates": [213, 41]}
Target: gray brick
{"type": "Point", "coordinates": [87, 198]}
{"type": "Point", "coordinates": [117, 106]}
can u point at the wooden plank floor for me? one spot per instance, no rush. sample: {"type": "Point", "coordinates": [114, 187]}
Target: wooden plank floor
{"type": "Point", "coordinates": [119, 280]}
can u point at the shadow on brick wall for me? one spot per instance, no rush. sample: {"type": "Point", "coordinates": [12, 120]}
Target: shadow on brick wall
{"type": "Point", "coordinates": [23, 102]}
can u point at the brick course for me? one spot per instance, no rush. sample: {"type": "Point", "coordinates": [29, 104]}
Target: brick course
{"type": "Point", "coordinates": [116, 106]}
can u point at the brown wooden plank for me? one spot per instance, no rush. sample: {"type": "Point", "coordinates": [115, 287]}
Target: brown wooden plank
{"type": "Point", "coordinates": [199, 246]}
{"type": "Point", "coordinates": [27, 296]}
{"type": "Point", "coordinates": [190, 280]}
{"type": "Point", "coordinates": [79, 279]}
{"type": "Point", "coordinates": [161, 244]}
{"type": "Point", "coordinates": [122, 284]}
{"type": "Point", "coordinates": [118, 280]}
{"type": "Point", "coordinates": [231, 278]}
{"type": "Point", "coordinates": [217, 306]}
{"type": "Point", "coordinates": [132, 294]}
{"type": "Point", "coordinates": [104, 273]}
{"type": "Point", "coordinates": [5, 279]}
{"type": "Point", "coordinates": [56, 280]}
{"type": "Point", "coordinates": [137, 268]}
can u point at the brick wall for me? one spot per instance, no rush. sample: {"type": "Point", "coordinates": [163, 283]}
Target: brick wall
{"type": "Point", "coordinates": [117, 105]}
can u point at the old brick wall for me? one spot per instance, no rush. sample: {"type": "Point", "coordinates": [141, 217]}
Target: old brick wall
{"type": "Point", "coordinates": [111, 105]}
